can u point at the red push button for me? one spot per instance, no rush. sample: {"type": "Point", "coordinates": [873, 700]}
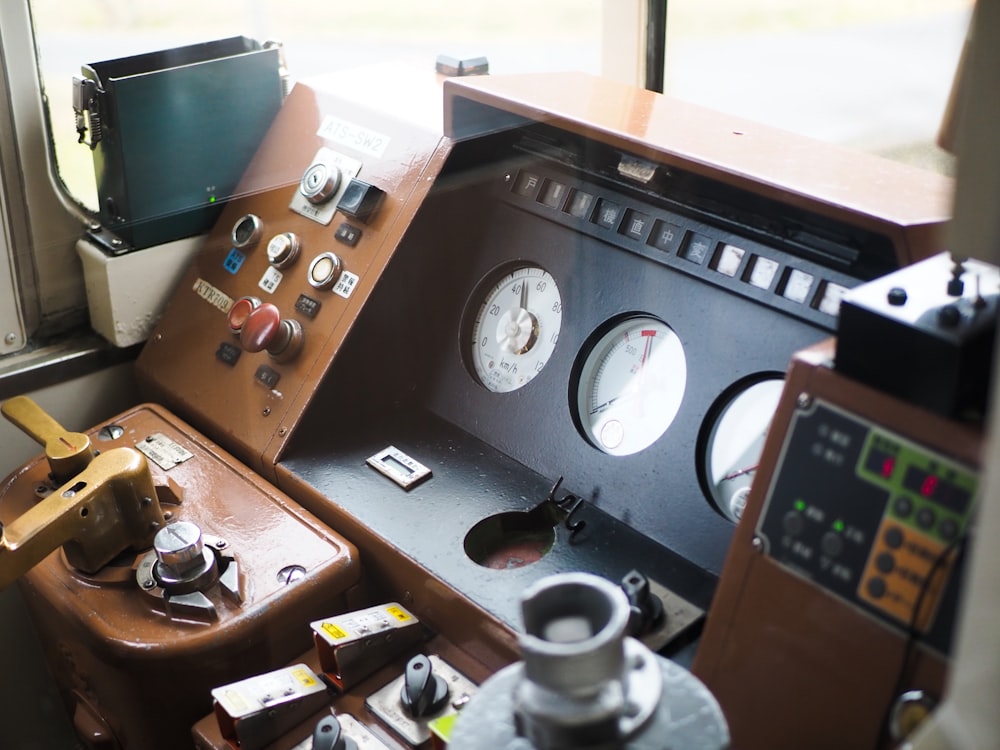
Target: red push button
{"type": "Point", "coordinates": [240, 311]}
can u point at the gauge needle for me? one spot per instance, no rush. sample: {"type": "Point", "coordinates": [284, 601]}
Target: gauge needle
{"type": "Point", "coordinates": [640, 381]}
{"type": "Point", "coordinates": [524, 295]}
{"type": "Point", "coordinates": [740, 472]}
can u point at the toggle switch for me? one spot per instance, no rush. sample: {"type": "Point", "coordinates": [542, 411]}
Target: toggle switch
{"type": "Point", "coordinates": [265, 330]}
{"type": "Point", "coordinates": [423, 693]}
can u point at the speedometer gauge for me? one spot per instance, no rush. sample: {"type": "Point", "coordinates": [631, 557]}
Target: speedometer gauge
{"type": "Point", "coordinates": [630, 386]}
{"type": "Point", "coordinates": [515, 328]}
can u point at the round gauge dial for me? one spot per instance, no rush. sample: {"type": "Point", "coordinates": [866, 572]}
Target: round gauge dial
{"type": "Point", "coordinates": [515, 328]}
{"type": "Point", "coordinates": [631, 385]}
{"type": "Point", "coordinates": [735, 441]}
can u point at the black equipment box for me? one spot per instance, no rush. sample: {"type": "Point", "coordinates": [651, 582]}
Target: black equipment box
{"type": "Point", "coordinates": [172, 132]}
{"type": "Point", "coordinates": [925, 333]}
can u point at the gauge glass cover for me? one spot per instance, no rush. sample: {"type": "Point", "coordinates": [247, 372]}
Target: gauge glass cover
{"type": "Point", "coordinates": [515, 329]}
{"type": "Point", "coordinates": [631, 385]}
{"type": "Point", "coordinates": [735, 442]}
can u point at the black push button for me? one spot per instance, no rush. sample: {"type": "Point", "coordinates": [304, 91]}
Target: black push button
{"type": "Point", "coordinates": [360, 200]}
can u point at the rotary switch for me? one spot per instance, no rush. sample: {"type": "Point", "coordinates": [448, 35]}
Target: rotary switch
{"type": "Point", "coordinates": [261, 328]}
{"type": "Point", "coordinates": [423, 693]}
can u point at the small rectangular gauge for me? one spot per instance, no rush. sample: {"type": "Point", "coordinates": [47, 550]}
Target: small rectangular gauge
{"type": "Point", "coordinates": [399, 467]}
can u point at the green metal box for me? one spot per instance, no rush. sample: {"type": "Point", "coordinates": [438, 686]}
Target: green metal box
{"type": "Point", "coordinates": [173, 131]}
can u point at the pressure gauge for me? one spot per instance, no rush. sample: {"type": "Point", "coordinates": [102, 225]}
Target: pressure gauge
{"type": "Point", "coordinates": [515, 328]}
{"type": "Point", "coordinates": [630, 386]}
{"type": "Point", "coordinates": [736, 431]}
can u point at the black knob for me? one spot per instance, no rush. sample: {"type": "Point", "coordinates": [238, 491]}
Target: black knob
{"type": "Point", "coordinates": [897, 296]}
{"type": "Point", "coordinates": [329, 735]}
{"type": "Point", "coordinates": [646, 610]}
{"type": "Point", "coordinates": [423, 692]}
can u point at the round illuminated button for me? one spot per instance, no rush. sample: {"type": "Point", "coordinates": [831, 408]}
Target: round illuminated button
{"type": "Point", "coordinates": [247, 231]}
{"type": "Point", "coordinates": [283, 249]}
{"type": "Point", "coordinates": [319, 183]}
{"type": "Point", "coordinates": [325, 270]}
{"type": "Point", "coordinates": [240, 311]}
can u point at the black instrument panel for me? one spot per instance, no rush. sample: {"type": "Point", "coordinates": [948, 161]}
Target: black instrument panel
{"type": "Point", "coordinates": [411, 375]}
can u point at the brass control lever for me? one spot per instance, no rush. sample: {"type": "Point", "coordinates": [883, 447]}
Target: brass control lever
{"type": "Point", "coordinates": [103, 508]}
{"type": "Point", "coordinates": [68, 453]}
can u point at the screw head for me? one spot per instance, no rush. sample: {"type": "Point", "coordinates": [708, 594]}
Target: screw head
{"type": "Point", "coordinates": [291, 574]}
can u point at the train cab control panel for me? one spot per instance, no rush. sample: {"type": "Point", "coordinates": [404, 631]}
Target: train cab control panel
{"type": "Point", "coordinates": [461, 338]}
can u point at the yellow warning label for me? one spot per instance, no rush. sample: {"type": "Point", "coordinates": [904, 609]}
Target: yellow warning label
{"type": "Point", "coordinates": [399, 613]}
{"type": "Point", "coordinates": [334, 631]}
{"type": "Point", "coordinates": [304, 677]}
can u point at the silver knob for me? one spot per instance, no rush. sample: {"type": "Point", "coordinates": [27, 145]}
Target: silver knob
{"type": "Point", "coordinates": [178, 547]}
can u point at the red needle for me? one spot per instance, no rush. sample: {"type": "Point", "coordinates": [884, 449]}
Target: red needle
{"type": "Point", "coordinates": [740, 472]}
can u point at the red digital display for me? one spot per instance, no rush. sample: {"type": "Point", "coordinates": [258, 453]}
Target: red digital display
{"type": "Point", "coordinates": [947, 494]}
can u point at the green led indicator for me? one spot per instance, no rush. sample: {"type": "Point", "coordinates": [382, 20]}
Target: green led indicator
{"type": "Point", "coordinates": [800, 505]}
{"type": "Point", "coordinates": [838, 525]}
{"type": "Point", "coordinates": [211, 199]}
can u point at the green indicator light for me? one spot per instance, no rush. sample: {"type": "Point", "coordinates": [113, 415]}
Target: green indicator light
{"type": "Point", "coordinates": [838, 525]}
{"type": "Point", "coordinates": [212, 199]}
{"type": "Point", "coordinates": [800, 505]}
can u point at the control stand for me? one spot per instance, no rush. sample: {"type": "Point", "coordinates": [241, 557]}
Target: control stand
{"type": "Point", "coordinates": [138, 547]}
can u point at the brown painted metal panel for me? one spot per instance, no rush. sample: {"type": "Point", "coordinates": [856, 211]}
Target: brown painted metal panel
{"type": "Point", "coordinates": [388, 118]}
{"type": "Point", "coordinates": [120, 661]}
{"type": "Point", "coordinates": [792, 665]}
